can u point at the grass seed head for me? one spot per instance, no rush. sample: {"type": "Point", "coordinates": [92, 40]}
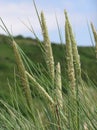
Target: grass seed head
{"type": "Point", "coordinates": [58, 85]}
{"type": "Point", "coordinates": [47, 47]}
{"type": "Point", "coordinates": [95, 37]}
{"type": "Point", "coordinates": [69, 57]}
{"type": "Point", "coordinates": [76, 57]}
{"type": "Point", "coordinates": [40, 88]}
{"type": "Point", "coordinates": [22, 75]}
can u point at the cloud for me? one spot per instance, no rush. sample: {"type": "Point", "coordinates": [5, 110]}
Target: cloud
{"type": "Point", "coordinates": [13, 12]}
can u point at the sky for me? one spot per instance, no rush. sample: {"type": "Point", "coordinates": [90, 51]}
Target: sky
{"type": "Point", "coordinates": [16, 13]}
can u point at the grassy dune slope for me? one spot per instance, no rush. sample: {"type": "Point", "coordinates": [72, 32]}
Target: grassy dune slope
{"type": "Point", "coordinates": [33, 51]}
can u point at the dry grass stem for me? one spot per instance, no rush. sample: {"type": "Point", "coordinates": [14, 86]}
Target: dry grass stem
{"type": "Point", "coordinates": [58, 84]}
{"type": "Point", "coordinates": [69, 58]}
{"type": "Point", "coordinates": [95, 37]}
{"type": "Point", "coordinates": [85, 126]}
{"type": "Point", "coordinates": [47, 47]}
{"type": "Point", "coordinates": [76, 57]}
{"type": "Point", "coordinates": [39, 88]}
{"type": "Point", "coordinates": [22, 75]}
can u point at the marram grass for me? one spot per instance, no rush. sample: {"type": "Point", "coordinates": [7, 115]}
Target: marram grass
{"type": "Point", "coordinates": [47, 48]}
{"type": "Point", "coordinates": [21, 67]}
{"type": "Point", "coordinates": [69, 58]}
{"type": "Point", "coordinates": [95, 37]}
{"type": "Point", "coordinates": [22, 74]}
{"type": "Point", "coordinates": [77, 67]}
{"type": "Point", "coordinates": [39, 88]}
{"type": "Point", "coordinates": [58, 86]}
{"type": "Point", "coordinates": [67, 112]}
{"type": "Point", "coordinates": [76, 57]}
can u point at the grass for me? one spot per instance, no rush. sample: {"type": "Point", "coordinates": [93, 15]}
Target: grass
{"type": "Point", "coordinates": [32, 100]}
{"type": "Point", "coordinates": [33, 51]}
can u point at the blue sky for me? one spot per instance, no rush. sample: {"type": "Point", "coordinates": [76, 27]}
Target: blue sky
{"type": "Point", "coordinates": [79, 11]}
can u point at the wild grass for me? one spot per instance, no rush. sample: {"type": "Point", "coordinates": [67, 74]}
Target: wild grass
{"type": "Point", "coordinates": [41, 103]}
{"type": "Point", "coordinates": [47, 48]}
{"type": "Point", "coordinates": [95, 37]}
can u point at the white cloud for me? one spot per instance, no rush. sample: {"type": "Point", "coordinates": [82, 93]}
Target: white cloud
{"type": "Point", "coordinates": [12, 12]}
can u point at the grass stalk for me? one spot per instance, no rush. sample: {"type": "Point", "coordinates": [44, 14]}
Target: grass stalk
{"type": "Point", "coordinates": [21, 67]}
{"type": "Point", "coordinates": [47, 48]}
{"type": "Point", "coordinates": [76, 57]}
{"type": "Point", "coordinates": [59, 31]}
{"type": "Point", "coordinates": [77, 66]}
{"type": "Point", "coordinates": [95, 37]}
{"type": "Point", "coordinates": [58, 93]}
{"type": "Point", "coordinates": [69, 58]}
{"type": "Point", "coordinates": [40, 88]}
{"type": "Point", "coordinates": [22, 74]}
{"type": "Point", "coordinates": [58, 84]}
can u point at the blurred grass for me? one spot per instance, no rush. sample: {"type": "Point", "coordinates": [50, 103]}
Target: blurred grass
{"type": "Point", "coordinates": [33, 51]}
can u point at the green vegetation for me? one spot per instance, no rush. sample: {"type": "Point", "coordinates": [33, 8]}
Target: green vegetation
{"type": "Point", "coordinates": [47, 86]}
{"type": "Point", "coordinates": [33, 51]}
